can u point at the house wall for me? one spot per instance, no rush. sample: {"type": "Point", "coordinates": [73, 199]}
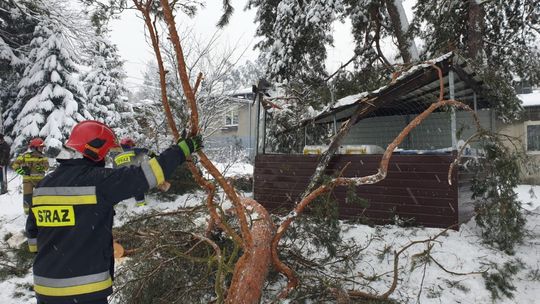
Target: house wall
{"type": "Point", "coordinates": [433, 133]}
{"type": "Point", "coordinates": [531, 174]}
{"type": "Point", "coordinates": [235, 137]}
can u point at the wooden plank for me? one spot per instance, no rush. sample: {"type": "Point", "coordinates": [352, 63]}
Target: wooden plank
{"type": "Point", "coordinates": [429, 220]}
{"type": "Point", "coordinates": [287, 182]}
{"type": "Point", "coordinates": [416, 186]}
{"type": "Point", "coordinates": [375, 189]}
{"type": "Point", "coordinates": [374, 201]}
{"type": "Point", "coordinates": [354, 158]}
{"type": "Point", "coordinates": [303, 170]}
{"type": "Point", "coordinates": [307, 173]}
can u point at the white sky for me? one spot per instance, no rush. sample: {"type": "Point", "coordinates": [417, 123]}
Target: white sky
{"type": "Point", "coordinates": [128, 35]}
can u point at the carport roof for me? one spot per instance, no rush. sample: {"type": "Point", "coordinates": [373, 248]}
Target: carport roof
{"type": "Point", "coordinates": [412, 92]}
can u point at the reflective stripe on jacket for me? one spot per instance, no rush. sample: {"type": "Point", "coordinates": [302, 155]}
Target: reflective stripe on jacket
{"type": "Point", "coordinates": [34, 160]}
{"type": "Point", "coordinates": [71, 221]}
{"type": "Point", "coordinates": [135, 156]}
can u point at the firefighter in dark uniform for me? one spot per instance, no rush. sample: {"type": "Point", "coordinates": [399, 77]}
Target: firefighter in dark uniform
{"type": "Point", "coordinates": [4, 162]}
{"type": "Point", "coordinates": [132, 156]}
{"type": "Point", "coordinates": [32, 165]}
{"type": "Point", "coordinates": [71, 216]}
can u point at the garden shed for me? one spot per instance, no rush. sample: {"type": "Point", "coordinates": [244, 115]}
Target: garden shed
{"type": "Point", "coordinates": [416, 188]}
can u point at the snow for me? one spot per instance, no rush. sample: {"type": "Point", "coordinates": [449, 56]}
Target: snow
{"type": "Point", "coordinates": [351, 99]}
{"type": "Point", "coordinates": [347, 100]}
{"type": "Point", "coordinates": [531, 99]}
{"type": "Point", "coordinates": [529, 195]}
{"type": "Point", "coordinates": [458, 251]}
{"type": "Point", "coordinates": [233, 170]}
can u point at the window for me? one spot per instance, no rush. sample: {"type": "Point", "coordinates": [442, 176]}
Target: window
{"type": "Point", "coordinates": [231, 118]}
{"type": "Point", "coordinates": [532, 133]}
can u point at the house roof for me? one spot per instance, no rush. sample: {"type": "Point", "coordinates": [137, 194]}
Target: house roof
{"type": "Point", "coordinates": [242, 95]}
{"type": "Point", "coordinates": [411, 92]}
{"type": "Point", "coordinates": [530, 99]}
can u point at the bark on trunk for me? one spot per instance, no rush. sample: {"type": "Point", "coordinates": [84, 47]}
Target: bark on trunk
{"type": "Point", "coordinates": [399, 27]}
{"type": "Point", "coordinates": [475, 29]}
{"type": "Point", "coordinates": [252, 268]}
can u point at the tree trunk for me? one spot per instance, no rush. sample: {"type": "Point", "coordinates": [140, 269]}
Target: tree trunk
{"type": "Point", "coordinates": [400, 25]}
{"type": "Point", "coordinates": [475, 29]}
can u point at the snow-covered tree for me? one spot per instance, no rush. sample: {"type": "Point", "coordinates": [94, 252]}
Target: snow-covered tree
{"type": "Point", "coordinates": [104, 83]}
{"type": "Point", "coordinates": [51, 97]}
{"type": "Point", "coordinates": [9, 76]}
{"type": "Point", "coordinates": [17, 22]}
{"type": "Point", "coordinates": [297, 33]}
{"type": "Point", "coordinates": [500, 37]}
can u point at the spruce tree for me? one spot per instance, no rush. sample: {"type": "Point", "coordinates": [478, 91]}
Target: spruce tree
{"type": "Point", "coordinates": [497, 207]}
{"type": "Point", "coordinates": [497, 37]}
{"type": "Point", "coordinates": [17, 22]}
{"type": "Point", "coordinates": [104, 83]}
{"type": "Point", "coordinates": [296, 33]}
{"type": "Point", "coordinates": [51, 97]}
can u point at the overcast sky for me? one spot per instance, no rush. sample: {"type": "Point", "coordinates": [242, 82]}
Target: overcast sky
{"type": "Point", "coordinates": [128, 35]}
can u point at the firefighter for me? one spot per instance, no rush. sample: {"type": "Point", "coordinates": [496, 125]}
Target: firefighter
{"type": "Point", "coordinates": [72, 213]}
{"type": "Point", "coordinates": [4, 162]}
{"type": "Point", "coordinates": [32, 165]}
{"type": "Point", "coordinates": [132, 156]}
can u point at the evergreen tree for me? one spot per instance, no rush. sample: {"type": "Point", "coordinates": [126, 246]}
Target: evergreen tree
{"type": "Point", "coordinates": [498, 209]}
{"type": "Point", "coordinates": [17, 22]}
{"type": "Point", "coordinates": [296, 33]}
{"type": "Point", "coordinates": [498, 37]}
{"type": "Point", "coordinates": [104, 83]}
{"type": "Point", "coordinates": [50, 97]}
{"type": "Point", "coordinates": [9, 66]}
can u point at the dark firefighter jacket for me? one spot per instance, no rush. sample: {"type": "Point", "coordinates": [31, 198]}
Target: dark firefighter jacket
{"type": "Point", "coordinates": [71, 222]}
{"type": "Point", "coordinates": [4, 153]}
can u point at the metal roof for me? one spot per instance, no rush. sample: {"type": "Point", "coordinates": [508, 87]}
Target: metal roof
{"type": "Point", "coordinates": [412, 92]}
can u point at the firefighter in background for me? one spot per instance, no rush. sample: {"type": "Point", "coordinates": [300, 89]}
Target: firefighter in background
{"type": "Point", "coordinates": [4, 162]}
{"type": "Point", "coordinates": [132, 156]}
{"type": "Point", "coordinates": [32, 165]}
{"type": "Point", "coordinates": [71, 216]}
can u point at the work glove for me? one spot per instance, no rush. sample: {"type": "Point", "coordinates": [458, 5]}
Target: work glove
{"type": "Point", "coordinates": [23, 171]}
{"type": "Point", "coordinates": [190, 144]}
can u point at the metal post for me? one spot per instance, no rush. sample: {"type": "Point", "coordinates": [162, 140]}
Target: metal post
{"type": "Point", "coordinates": [305, 136]}
{"type": "Point", "coordinates": [335, 125]}
{"type": "Point", "coordinates": [453, 123]}
{"type": "Point", "coordinates": [475, 104]}
{"type": "Point", "coordinates": [493, 120]}
{"type": "Point", "coordinates": [250, 148]}
{"type": "Point", "coordinates": [257, 107]}
{"type": "Point", "coordinates": [263, 126]}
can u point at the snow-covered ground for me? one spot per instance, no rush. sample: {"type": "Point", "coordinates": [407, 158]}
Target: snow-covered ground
{"type": "Point", "coordinates": [457, 251]}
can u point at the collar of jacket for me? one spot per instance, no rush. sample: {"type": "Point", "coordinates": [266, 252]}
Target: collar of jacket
{"type": "Point", "coordinates": [81, 162]}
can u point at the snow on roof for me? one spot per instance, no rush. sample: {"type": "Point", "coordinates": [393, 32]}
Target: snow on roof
{"type": "Point", "coordinates": [347, 100]}
{"type": "Point", "coordinates": [530, 99]}
{"type": "Point", "coordinates": [240, 91]}
{"type": "Point", "coordinates": [351, 99]}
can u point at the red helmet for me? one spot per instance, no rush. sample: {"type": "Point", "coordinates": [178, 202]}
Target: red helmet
{"type": "Point", "coordinates": [36, 143]}
{"type": "Point", "coordinates": [92, 138]}
{"type": "Point", "coordinates": [128, 142]}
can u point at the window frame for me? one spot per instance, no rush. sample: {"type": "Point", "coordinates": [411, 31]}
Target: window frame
{"type": "Point", "coordinates": [526, 139]}
{"type": "Point", "coordinates": [230, 113]}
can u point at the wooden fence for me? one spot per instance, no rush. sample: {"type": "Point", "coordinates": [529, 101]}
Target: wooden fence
{"type": "Point", "coordinates": [416, 188]}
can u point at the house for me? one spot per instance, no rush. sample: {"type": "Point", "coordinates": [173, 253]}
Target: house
{"type": "Point", "coordinates": [417, 187]}
{"type": "Point", "coordinates": [231, 131]}
{"type": "Point", "coordinates": [527, 130]}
